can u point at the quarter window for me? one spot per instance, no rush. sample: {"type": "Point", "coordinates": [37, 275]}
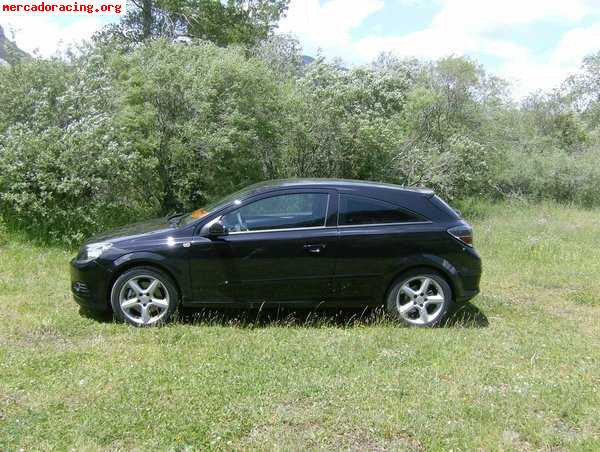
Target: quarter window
{"type": "Point", "coordinates": [298, 210]}
{"type": "Point", "coordinates": [357, 210]}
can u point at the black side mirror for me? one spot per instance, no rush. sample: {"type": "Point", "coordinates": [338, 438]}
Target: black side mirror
{"type": "Point", "coordinates": [217, 229]}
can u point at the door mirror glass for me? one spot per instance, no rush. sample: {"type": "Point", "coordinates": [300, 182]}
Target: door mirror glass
{"type": "Point", "coordinates": [217, 229]}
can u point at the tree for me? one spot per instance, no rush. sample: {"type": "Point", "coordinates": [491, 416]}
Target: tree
{"type": "Point", "coordinates": [232, 22]}
{"type": "Point", "coordinates": [550, 117]}
{"type": "Point", "coordinates": [9, 52]}
{"type": "Point", "coordinates": [282, 53]}
{"type": "Point", "coordinates": [66, 167]}
{"type": "Point", "coordinates": [584, 90]}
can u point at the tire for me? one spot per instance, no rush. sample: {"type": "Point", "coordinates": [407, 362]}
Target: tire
{"type": "Point", "coordinates": [416, 304]}
{"type": "Point", "coordinates": [144, 296]}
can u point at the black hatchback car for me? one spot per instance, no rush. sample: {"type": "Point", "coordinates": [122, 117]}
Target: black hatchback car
{"type": "Point", "coordinates": [302, 243]}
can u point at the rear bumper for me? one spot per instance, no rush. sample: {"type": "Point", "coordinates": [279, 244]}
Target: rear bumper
{"type": "Point", "coordinates": [467, 295]}
{"type": "Point", "coordinates": [469, 287]}
{"type": "Point", "coordinates": [89, 285]}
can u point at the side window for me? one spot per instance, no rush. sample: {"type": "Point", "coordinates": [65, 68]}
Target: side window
{"type": "Point", "coordinates": [356, 210]}
{"type": "Point", "coordinates": [297, 210]}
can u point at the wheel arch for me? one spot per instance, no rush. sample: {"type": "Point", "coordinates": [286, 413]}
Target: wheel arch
{"type": "Point", "coordinates": [145, 260]}
{"type": "Point", "coordinates": [430, 263]}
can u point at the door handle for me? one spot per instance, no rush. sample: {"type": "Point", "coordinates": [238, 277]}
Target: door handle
{"type": "Point", "coordinates": [315, 248]}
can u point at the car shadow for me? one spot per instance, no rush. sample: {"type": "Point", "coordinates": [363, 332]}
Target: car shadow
{"type": "Point", "coordinates": [98, 316]}
{"type": "Point", "coordinates": [466, 315]}
{"type": "Point", "coordinates": [282, 316]}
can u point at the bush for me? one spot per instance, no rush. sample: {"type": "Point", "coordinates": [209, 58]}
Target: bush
{"type": "Point", "coordinates": [66, 170]}
{"type": "Point", "coordinates": [210, 116]}
{"type": "Point", "coordinates": [64, 185]}
{"type": "Point", "coordinates": [554, 174]}
{"type": "Point", "coordinates": [343, 123]}
{"type": "Point", "coordinates": [106, 138]}
{"type": "Point", "coordinates": [463, 167]}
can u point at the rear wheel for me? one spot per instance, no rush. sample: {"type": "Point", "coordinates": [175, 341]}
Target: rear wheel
{"type": "Point", "coordinates": [419, 298]}
{"type": "Point", "coordinates": [144, 296]}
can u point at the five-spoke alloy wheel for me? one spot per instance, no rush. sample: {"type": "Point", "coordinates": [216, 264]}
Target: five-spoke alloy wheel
{"type": "Point", "coordinates": [144, 296]}
{"type": "Point", "coordinates": [420, 298]}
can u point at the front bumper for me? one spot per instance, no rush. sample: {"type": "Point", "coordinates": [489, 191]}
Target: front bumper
{"type": "Point", "coordinates": [89, 285]}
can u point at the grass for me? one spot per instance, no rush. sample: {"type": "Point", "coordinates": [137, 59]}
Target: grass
{"type": "Point", "coordinates": [517, 369]}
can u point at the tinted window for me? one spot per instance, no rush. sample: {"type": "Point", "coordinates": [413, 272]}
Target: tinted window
{"type": "Point", "coordinates": [299, 210]}
{"type": "Point", "coordinates": [445, 207]}
{"type": "Point", "coordinates": [359, 210]}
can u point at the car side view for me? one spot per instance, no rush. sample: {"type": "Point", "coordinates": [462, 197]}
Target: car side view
{"type": "Point", "coordinates": [302, 243]}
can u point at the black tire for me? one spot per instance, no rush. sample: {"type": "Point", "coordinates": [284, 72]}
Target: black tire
{"type": "Point", "coordinates": [167, 295]}
{"type": "Point", "coordinates": [435, 311]}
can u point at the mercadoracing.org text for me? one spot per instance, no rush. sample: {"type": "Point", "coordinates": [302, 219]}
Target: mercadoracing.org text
{"type": "Point", "coordinates": [25, 7]}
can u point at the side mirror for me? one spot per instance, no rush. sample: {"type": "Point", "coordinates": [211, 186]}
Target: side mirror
{"type": "Point", "coordinates": [217, 229]}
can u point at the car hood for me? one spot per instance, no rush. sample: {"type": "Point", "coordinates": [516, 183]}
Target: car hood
{"type": "Point", "coordinates": [134, 230]}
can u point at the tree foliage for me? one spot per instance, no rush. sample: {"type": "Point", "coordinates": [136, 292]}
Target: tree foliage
{"type": "Point", "coordinates": [223, 23]}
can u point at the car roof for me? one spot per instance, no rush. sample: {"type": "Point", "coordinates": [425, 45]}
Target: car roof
{"type": "Point", "coordinates": [351, 184]}
{"type": "Point", "coordinates": [409, 198]}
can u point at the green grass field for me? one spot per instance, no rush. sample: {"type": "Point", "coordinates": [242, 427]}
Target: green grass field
{"type": "Point", "coordinates": [517, 369]}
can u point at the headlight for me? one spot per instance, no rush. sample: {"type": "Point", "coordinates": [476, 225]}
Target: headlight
{"type": "Point", "coordinates": [92, 251]}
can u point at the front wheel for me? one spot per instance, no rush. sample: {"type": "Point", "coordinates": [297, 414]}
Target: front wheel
{"type": "Point", "coordinates": [144, 296]}
{"type": "Point", "coordinates": [419, 298]}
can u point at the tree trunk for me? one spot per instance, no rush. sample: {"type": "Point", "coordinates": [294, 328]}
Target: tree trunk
{"type": "Point", "coordinates": [147, 19]}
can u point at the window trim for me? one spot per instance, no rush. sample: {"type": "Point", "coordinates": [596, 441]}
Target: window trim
{"type": "Point", "coordinates": [324, 226]}
{"type": "Point", "coordinates": [262, 231]}
{"type": "Point", "coordinates": [369, 225]}
{"type": "Point", "coordinates": [424, 221]}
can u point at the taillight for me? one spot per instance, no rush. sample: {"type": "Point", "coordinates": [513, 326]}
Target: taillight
{"type": "Point", "coordinates": [463, 233]}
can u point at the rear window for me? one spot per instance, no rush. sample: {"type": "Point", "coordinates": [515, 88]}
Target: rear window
{"type": "Point", "coordinates": [445, 207]}
{"type": "Point", "coordinates": [357, 210]}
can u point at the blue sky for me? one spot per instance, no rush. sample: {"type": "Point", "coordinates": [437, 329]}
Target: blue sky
{"type": "Point", "coordinates": [532, 43]}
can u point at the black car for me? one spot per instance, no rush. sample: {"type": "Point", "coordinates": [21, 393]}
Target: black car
{"type": "Point", "coordinates": [302, 243]}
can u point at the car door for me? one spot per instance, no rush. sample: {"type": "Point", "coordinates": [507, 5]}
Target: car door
{"type": "Point", "coordinates": [374, 237]}
{"type": "Point", "coordinates": [279, 248]}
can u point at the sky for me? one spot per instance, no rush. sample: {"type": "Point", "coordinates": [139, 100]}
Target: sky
{"type": "Point", "coordinates": [534, 44]}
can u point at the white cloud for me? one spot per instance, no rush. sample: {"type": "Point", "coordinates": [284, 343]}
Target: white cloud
{"type": "Point", "coordinates": [463, 26]}
{"type": "Point", "coordinates": [327, 25]}
{"type": "Point", "coordinates": [527, 71]}
{"type": "Point", "coordinates": [576, 44]}
{"type": "Point", "coordinates": [459, 27]}
{"type": "Point", "coordinates": [438, 41]}
{"type": "Point", "coordinates": [479, 15]}
{"type": "Point", "coordinates": [530, 73]}
{"type": "Point", "coordinates": [409, 2]}
{"type": "Point", "coordinates": [45, 36]}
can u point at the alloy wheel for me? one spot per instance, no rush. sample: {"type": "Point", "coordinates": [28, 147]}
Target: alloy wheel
{"type": "Point", "coordinates": [144, 299]}
{"type": "Point", "coordinates": [420, 300]}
